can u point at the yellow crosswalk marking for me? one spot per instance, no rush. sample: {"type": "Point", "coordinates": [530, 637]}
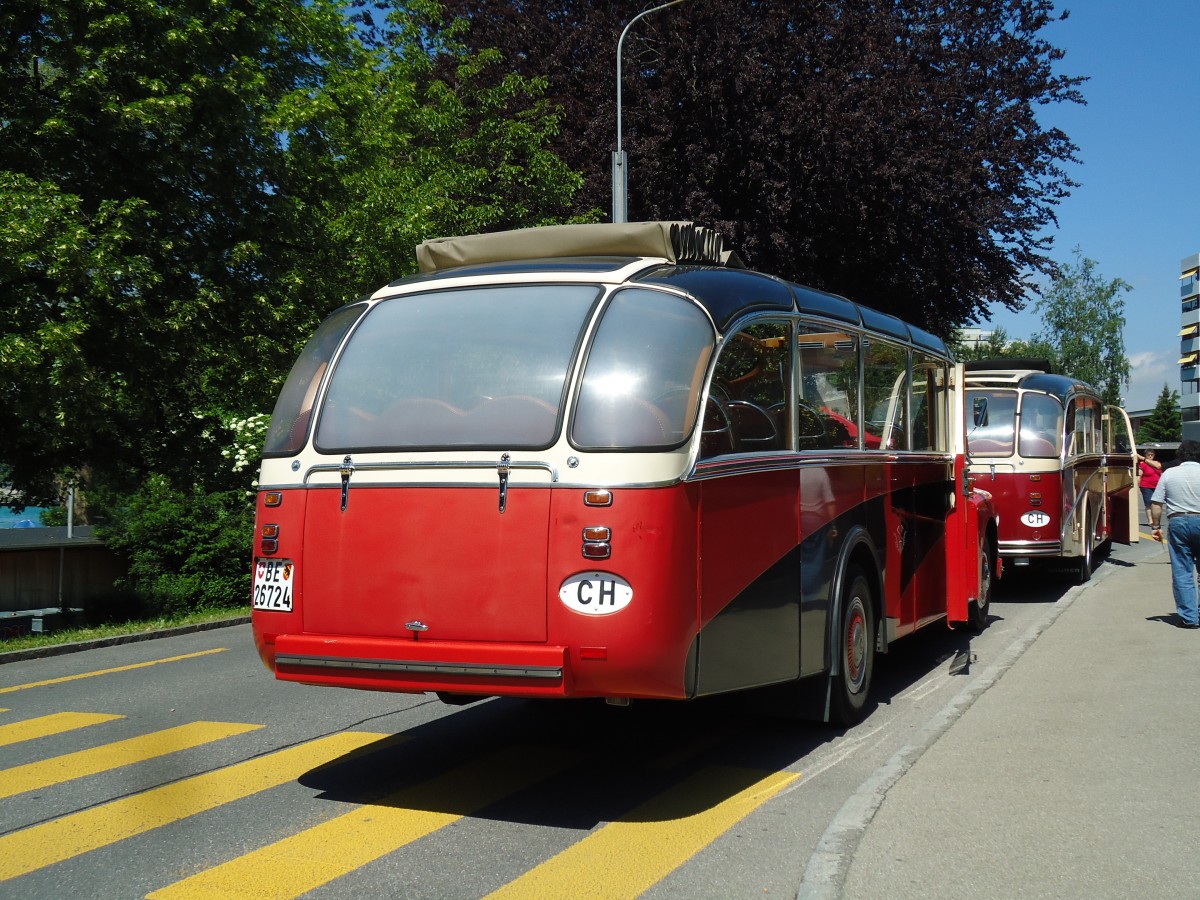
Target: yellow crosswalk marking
{"type": "Point", "coordinates": [627, 857]}
{"type": "Point", "coordinates": [295, 865]}
{"type": "Point", "coordinates": [44, 726]}
{"type": "Point", "coordinates": [141, 665]}
{"type": "Point", "coordinates": [43, 845]}
{"type": "Point", "coordinates": [69, 766]}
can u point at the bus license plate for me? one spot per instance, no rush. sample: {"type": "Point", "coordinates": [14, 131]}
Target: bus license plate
{"type": "Point", "coordinates": [273, 580]}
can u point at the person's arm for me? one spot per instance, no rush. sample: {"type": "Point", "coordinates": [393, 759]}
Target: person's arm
{"type": "Point", "coordinates": [1156, 510]}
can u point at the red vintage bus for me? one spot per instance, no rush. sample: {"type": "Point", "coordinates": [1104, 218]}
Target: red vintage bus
{"type": "Point", "coordinates": [605, 461]}
{"type": "Point", "coordinates": [1058, 462]}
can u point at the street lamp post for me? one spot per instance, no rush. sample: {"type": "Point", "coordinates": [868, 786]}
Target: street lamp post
{"type": "Point", "coordinates": [620, 167]}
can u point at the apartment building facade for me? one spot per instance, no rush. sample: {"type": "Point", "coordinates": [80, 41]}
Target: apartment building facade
{"type": "Point", "coordinates": [1189, 344]}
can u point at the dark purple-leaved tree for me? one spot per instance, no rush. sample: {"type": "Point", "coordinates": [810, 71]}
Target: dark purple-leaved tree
{"type": "Point", "coordinates": [888, 150]}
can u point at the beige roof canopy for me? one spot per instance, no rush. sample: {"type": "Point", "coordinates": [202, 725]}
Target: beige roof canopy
{"type": "Point", "coordinates": [676, 242]}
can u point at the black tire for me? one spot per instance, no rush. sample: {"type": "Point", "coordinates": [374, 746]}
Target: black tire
{"type": "Point", "coordinates": [855, 650]}
{"type": "Point", "coordinates": [977, 612]}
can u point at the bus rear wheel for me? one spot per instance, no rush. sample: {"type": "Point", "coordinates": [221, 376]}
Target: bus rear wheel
{"type": "Point", "coordinates": [855, 652]}
{"type": "Point", "coordinates": [977, 612]}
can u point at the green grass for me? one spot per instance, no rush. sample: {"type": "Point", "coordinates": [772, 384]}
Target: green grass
{"type": "Point", "coordinates": [76, 635]}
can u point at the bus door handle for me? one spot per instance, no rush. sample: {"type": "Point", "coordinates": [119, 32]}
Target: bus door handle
{"type": "Point", "coordinates": [503, 470]}
{"type": "Point", "coordinates": [346, 471]}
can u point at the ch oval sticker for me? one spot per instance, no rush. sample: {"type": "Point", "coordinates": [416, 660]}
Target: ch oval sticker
{"type": "Point", "coordinates": [595, 593]}
{"type": "Point", "coordinates": [1035, 519]}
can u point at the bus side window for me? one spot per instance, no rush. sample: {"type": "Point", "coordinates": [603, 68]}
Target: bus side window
{"type": "Point", "coordinates": [827, 408]}
{"type": "Point", "coordinates": [292, 417]}
{"type": "Point", "coordinates": [641, 384]}
{"type": "Point", "coordinates": [885, 395]}
{"type": "Point", "coordinates": [748, 401]}
{"type": "Point", "coordinates": [929, 403]}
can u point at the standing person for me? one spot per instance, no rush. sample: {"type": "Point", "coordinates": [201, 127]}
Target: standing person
{"type": "Point", "coordinates": [1151, 470]}
{"type": "Point", "coordinates": [1178, 497]}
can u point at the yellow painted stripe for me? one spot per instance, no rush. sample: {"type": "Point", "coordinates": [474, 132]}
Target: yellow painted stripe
{"type": "Point", "coordinates": [627, 857]}
{"type": "Point", "coordinates": [44, 726]}
{"type": "Point", "coordinates": [141, 665]}
{"type": "Point", "coordinates": [69, 766]}
{"type": "Point", "coordinates": [43, 845]}
{"type": "Point", "coordinates": [316, 856]}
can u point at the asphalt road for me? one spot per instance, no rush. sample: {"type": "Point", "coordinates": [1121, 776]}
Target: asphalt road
{"type": "Point", "coordinates": [179, 768]}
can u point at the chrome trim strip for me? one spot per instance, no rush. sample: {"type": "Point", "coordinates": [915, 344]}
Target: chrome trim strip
{"type": "Point", "coordinates": [783, 460]}
{"type": "Point", "coordinates": [427, 668]}
{"type": "Point", "coordinates": [1029, 548]}
{"type": "Point", "coordinates": [434, 464]}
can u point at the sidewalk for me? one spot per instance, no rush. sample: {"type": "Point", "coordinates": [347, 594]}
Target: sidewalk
{"type": "Point", "coordinates": [1075, 774]}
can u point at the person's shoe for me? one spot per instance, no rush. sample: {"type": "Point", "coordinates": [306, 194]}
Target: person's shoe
{"type": "Point", "coordinates": [1179, 623]}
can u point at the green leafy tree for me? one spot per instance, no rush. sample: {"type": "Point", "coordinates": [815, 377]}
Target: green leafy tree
{"type": "Point", "coordinates": [387, 153]}
{"type": "Point", "coordinates": [1083, 322]}
{"type": "Point", "coordinates": [896, 152]}
{"type": "Point", "coordinates": [1164, 423]}
{"type": "Point", "coordinates": [186, 188]}
{"type": "Point", "coordinates": [186, 547]}
{"type": "Point", "coordinates": [137, 202]}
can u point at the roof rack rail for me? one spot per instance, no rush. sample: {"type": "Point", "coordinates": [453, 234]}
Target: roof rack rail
{"type": "Point", "coordinates": [1002, 364]}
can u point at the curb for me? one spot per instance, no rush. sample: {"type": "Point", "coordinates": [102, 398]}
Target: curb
{"type": "Point", "coordinates": [80, 646]}
{"type": "Point", "coordinates": [825, 875]}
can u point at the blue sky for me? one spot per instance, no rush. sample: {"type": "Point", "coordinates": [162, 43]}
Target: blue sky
{"type": "Point", "coordinates": [1136, 211]}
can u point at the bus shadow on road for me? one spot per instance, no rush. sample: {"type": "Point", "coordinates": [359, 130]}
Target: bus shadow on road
{"type": "Point", "coordinates": [570, 764]}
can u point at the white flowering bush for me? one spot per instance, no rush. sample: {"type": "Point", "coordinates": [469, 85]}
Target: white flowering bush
{"type": "Point", "coordinates": [248, 436]}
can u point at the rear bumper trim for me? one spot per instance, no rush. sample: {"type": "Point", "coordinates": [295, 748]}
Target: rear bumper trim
{"type": "Point", "coordinates": [1030, 548]}
{"type": "Point", "coordinates": [421, 667]}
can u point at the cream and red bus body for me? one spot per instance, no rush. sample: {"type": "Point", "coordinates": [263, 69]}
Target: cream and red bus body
{"type": "Point", "coordinates": [567, 569]}
{"type": "Point", "coordinates": [487, 586]}
{"type": "Point", "coordinates": [1057, 462]}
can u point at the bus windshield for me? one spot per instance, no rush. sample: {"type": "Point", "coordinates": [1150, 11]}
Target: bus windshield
{"type": "Point", "coordinates": [481, 367]}
{"type": "Point", "coordinates": [1041, 426]}
{"type": "Point", "coordinates": [993, 425]}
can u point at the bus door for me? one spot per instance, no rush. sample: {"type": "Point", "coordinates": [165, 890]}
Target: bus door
{"type": "Point", "coordinates": [938, 548]}
{"type": "Point", "coordinates": [1120, 476]}
{"type": "Point", "coordinates": [961, 413]}
{"type": "Point", "coordinates": [918, 480]}
{"type": "Point", "coordinates": [1084, 502]}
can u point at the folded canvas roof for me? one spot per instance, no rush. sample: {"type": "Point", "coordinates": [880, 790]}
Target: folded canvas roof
{"type": "Point", "coordinates": [676, 242]}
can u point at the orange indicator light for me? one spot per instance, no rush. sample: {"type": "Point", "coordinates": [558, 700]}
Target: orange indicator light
{"type": "Point", "coordinates": [272, 498]}
{"type": "Point", "coordinates": [598, 498]}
